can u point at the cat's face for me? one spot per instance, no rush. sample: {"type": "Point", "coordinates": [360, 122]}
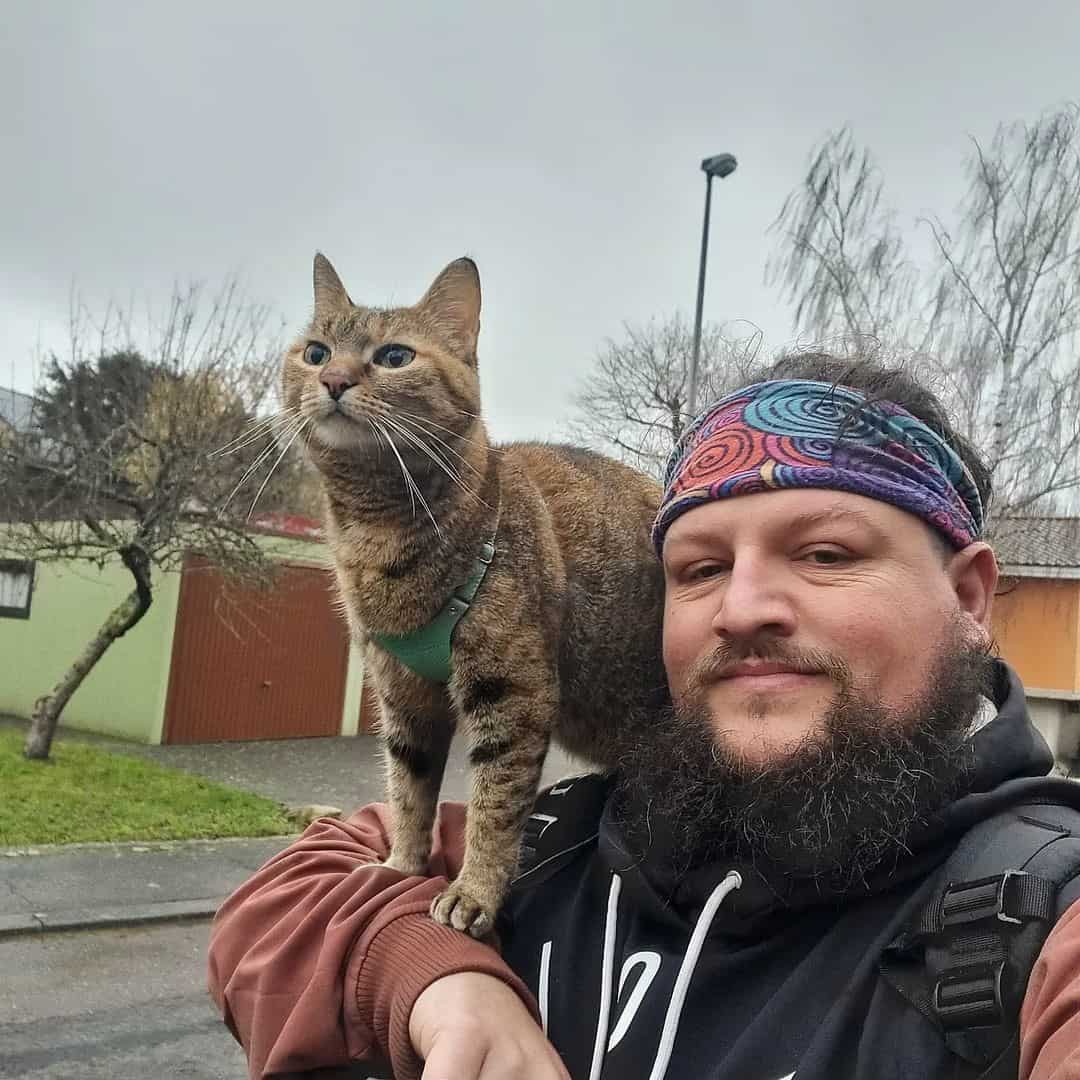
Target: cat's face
{"type": "Point", "coordinates": [367, 377]}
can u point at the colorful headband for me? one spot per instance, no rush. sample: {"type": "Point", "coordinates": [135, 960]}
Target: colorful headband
{"type": "Point", "coordinates": [792, 433]}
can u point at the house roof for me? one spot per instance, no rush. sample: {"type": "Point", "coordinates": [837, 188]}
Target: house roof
{"type": "Point", "coordinates": [1039, 546]}
{"type": "Point", "coordinates": [15, 408]}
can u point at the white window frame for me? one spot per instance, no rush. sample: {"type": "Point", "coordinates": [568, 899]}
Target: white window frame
{"type": "Point", "coordinates": [15, 569]}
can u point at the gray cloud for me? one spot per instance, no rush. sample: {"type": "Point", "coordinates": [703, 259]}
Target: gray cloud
{"type": "Point", "coordinates": [558, 144]}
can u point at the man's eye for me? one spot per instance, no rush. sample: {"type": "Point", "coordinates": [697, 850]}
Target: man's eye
{"type": "Point", "coordinates": [705, 570]}
{"type": "Point", "coordinates": [393, 356]}
{"type": "Point", "coordinates": [826, 557]}
{"type": "Point", "coordinates": [316, 354]}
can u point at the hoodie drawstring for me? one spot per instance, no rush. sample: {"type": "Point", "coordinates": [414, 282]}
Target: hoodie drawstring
{"type": "Point", "coordinates": [606, 979]}
{"type": "Point", "coordinates": [732, 881]}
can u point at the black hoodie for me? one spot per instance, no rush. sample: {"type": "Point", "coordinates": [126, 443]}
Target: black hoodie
{"type": "Point", "coordinates": [641, 977]}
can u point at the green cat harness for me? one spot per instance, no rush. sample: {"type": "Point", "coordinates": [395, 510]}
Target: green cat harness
{"type": "Point", "coordinates": [427, 649]}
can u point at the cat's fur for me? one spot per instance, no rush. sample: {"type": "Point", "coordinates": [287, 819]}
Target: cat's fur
{"type": "Point", "coordinates": [563, 637]}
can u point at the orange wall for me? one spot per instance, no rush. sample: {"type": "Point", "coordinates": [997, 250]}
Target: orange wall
{"type": "Point", "coordinates": [1036, 625]}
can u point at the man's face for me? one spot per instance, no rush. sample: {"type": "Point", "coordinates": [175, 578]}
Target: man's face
{"type": "Point", "coordinates": [777, 602]}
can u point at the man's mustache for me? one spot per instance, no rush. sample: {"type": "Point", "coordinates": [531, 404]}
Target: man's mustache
{"type": "Point", "coordinates": [722, 661]}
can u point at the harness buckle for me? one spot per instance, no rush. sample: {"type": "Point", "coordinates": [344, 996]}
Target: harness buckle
{"type": "Point", "coordinates": [971, 998]}
{"type": "Point", "coordinates": [987, 898]}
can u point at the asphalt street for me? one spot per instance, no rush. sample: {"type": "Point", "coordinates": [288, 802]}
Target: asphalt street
{"type": "Point", "coordinates": [116, 1004]}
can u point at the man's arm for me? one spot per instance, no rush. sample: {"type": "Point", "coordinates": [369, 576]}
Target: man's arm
{"type": "Point", "coordinates": [318, 959]}
{"type": "Point", "coordinates": [1050, 1018]}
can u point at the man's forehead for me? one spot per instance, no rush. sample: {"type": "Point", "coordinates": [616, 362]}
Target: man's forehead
{"type": "Point", "coordinates": [789, 510]}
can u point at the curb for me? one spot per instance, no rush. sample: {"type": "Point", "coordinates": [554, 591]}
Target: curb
{"type": "Point", "coordinates": [137, 847]}
{"type": "Point", "coordinates": [165, 911]}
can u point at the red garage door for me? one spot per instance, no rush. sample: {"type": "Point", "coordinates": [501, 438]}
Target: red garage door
{"type": "Point", "coordinates": [254, 664]}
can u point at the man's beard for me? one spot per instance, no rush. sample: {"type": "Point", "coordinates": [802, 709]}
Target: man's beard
{"type": "Point", "coordinates": [839, 804]}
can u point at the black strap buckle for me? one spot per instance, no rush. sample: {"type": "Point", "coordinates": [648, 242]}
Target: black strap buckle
{"type": "Point", "coordinates": [987, 898]}
{"type": "Point", "coordinates": [971, 998]}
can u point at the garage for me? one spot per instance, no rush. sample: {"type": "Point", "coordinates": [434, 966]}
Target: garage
{"type": "Point", "coordinates": [257, 664]}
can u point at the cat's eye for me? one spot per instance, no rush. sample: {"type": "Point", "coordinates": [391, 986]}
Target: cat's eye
{"type": "Point", "coordinates": [316, 354]}
{"type": "Point", "coordinates": [393, 356]}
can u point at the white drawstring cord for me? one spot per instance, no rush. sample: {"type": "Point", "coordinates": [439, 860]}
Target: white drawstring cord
{"type": "Point", "coordinates": [732, 880]}
{"type": "Point", "coordinates": [606, 978]}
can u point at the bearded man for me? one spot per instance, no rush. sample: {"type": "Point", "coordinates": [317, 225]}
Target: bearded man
{"type": "Point", "coordinates": [839, 853]}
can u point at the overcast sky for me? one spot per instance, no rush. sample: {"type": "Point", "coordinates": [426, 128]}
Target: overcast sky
{"type": "Point", "coordinates": [558, 144]}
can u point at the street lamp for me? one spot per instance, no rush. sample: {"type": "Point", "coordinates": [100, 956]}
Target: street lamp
{"type": "Point", "coordinates": [720, 165]}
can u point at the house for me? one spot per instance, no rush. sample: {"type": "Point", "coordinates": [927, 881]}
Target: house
{"type": "Point", "coordinates": [1037, 622]}
{"type": "Point", "coordinates": [15, 409]}
{"type": "Point", "coordinates": [208, 662]}
{"type": "Point", "coordinates": [212, 662]}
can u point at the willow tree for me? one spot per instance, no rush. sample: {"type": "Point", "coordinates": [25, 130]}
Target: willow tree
{"type": "Point", "coordinates": [994, 308]}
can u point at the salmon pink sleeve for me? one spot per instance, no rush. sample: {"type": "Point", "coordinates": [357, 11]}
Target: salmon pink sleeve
{"type": "Point", "coordinates": [1050, 1018]}
{"type": "Point", "coordinates": [317, 960]}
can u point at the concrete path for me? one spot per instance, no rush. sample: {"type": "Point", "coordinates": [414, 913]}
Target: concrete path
{"type": "Point", "coordinates": [84, 886]}
{"type": "Point", "coordinates": [344, 771]}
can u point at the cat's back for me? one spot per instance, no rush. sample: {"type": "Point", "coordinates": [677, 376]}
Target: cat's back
{"type": "Point", "coordinates": [584, 487]}
{"type": "Point", "coordinates": [610, 596]}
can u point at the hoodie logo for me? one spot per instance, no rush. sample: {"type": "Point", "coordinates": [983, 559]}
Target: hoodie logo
{"type": "Point", "coordinates": [650, 965]}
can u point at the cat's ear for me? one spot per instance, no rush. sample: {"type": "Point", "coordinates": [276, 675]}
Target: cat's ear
{"type": "Point", "coordinates": [453, 301]}
{"type": "Point", "coordinates": [330, 294]}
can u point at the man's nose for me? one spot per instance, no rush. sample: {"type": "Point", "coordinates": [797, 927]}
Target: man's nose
{"type": "Point", "coordinates": [754, 600]}
{"type": "Point", "coordinates": [336, 382]}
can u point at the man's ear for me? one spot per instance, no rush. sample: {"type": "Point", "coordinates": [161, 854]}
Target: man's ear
{"type": "Point", "coordinates": [973, 572]}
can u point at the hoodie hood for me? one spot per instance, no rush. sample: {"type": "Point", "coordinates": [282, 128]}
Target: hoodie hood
{"type": "Point", "coordinates": [1011, 761]}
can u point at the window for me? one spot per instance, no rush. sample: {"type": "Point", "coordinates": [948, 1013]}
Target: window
{"type": "Point", "coordinates": [16, 588]}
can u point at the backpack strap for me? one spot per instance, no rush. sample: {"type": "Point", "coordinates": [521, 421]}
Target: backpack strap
{"type": "Point", "coordinates": [565, 819]}
{"type": "Point", "coordinates": [965, 958]}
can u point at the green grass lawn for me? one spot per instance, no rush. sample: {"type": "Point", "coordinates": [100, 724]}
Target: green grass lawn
{"type": "Point", "coordinates": [88, 794]}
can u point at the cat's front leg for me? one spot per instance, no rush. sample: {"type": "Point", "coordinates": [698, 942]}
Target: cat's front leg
{"type": "Point", "coordinates": [509, 729]}
{"type": "Point", "coordinates": [417, 726]}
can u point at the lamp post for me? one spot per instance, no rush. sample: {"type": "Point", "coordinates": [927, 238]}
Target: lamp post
{"type": "Point", "coordinates": [720, 165]}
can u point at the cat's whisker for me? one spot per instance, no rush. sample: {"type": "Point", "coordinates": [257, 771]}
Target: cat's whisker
{"type": "Point", "coordinates": [396, 423]}
{"type": "Point", "coordinates": [419, 424]}
{"type": "Point", "coordinates": [256, 429]}
{"type": "Point", "coordinates": [416, 487]}
{"type": "Point", "coordinates": [271, 431]}
{"type": "Point", "coordinates": [253, 467]}
{"type": "Point", "coordinates": [378, 435]}
{"type": "Point", "coordinates": [411, 484]}
{"type": "Point", "coordinates": [439, 460]}
{"type": "Point", "coordinates": [273, 468]}
{"type": "Point", "coordinates": [449, 431]}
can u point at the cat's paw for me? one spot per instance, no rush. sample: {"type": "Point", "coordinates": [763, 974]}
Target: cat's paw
{"type": "Point", "coordinates": [459, 908]}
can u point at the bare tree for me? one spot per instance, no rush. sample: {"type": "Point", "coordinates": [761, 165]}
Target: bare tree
{"type": "Point", "coordinates": [841, 259]}
{"type": "Point", "coordinates": [997, 305]}
{"type": "Point", "coordinates": [123, 460]}
{"type": "Point", "coordinates": [1007, 304]}
{"type": "Point", "coordinates": [633, 403]}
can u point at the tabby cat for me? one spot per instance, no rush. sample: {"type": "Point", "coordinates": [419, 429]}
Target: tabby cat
{"type": "Point", "coordinates": [563, 635]}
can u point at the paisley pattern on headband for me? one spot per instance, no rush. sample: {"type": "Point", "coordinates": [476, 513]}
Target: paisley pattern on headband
{"type": "Point", "coordinates": [795, 433]}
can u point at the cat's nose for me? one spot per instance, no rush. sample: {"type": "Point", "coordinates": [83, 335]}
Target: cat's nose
{"type": "Point", "coordinates": [336, 382]}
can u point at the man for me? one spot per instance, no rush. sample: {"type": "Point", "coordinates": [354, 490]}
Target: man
{"type": "Point", "coordinates": [748, 897]}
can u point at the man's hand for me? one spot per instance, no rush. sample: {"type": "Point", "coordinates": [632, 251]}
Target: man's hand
{"type": "Point", "coordinates": [474, 1027]}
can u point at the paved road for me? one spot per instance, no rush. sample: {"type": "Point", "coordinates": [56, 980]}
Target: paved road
{"type": "Point", "coordinates": [112, 1005]}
